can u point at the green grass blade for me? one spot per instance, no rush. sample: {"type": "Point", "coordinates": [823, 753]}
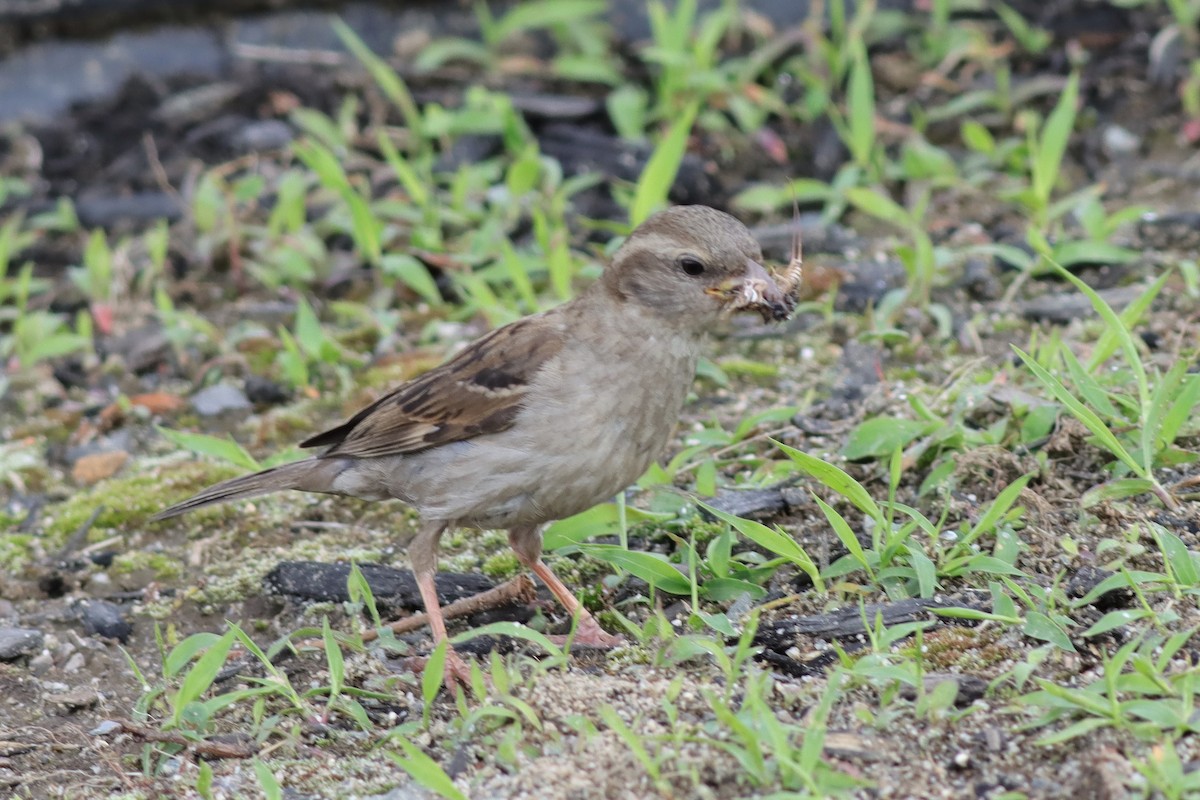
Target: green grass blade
{"type": "Point", "coordinates": [1117, 326]}
{"type": "Point", "coordinates": [659, 175]}
{"type": "Point", "coordinates": [1084, 414]}
{"type": "Point", "coordinates": [835, 479]}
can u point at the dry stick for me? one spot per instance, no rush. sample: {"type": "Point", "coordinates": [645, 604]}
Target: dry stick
{"type": "Point", "coordinates": [518, 590]}
{"type": "Point", "coordinates": [211, 749]}
{"type": "Point", "coordinates": [288, 55]}
{"type": "Point", "coordinates": [156, 167]}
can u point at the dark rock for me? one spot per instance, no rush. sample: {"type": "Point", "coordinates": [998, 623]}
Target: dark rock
{"type": "Point", "coordinates": [848, 622]}
{"type": "Point", "coordinates": [17, 642]}
{"type": "Point", "coordinates": [829, 151]}
{"type": "Point", "coordinates": [41, 80]}
{"type": "Point", "coordinates": [980, 281]}
{"type": "Point", "coordinates": [392, 588]}
{"type": "Point", "coordinates": [266, 392]}
{"type": "Point", "coordinates": [71, 374]}
{"type": "Point", "coordinates": [970, 687]}
{"type": "Point", "coordinates": [1086, 579]}
{"type": "Point", "coordinates": [583, 150]}
{"type": "Point", "coordinates": [267, 134]}
{"type": "Point", "coordinates": [142, 349]}
{"type": "Point", "coordinates": [860, 366]}
{"type": "Point", "coordinates": [104, 619]}
{"type": "Point", "coordinates": [816, 235]}
{"type": "Point", "coordinates": [197, 104]}
{"type": "Point", "coordinates": [556, 106]}
{"type": "Point", "coordinates": [867, 282]}
{"type": "Point", "coordinates": [1062, 307]}
{"type": "Point", "coordinates": [469, 149]}
{"type": "Point", "coordinates": [221, 398]}
{"type": "Point", "coordinates": [751, 503]}
{"type": "Point", "coordinates": [106, 211]}
{"type": "Point", "coordinates": [1179, 231]}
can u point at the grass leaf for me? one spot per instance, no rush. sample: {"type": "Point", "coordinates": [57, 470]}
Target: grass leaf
{"type": "Point", "coordinates": [659, 175]}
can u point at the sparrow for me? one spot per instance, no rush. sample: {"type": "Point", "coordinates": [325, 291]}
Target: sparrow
{"type": "Point", "coordinates": [549, 415]}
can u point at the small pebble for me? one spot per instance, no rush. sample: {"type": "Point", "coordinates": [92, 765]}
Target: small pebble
{"type": "Point", "coordinates": [1119, 142]}
{"type": "Point", "coordinates": [102, 618]}
{"type": "Point", "coordinates": [40, 664]}
{"type": "Point", "coordinates": [221, 398]}
{"type": "Point", "coordinates": [268, 134]}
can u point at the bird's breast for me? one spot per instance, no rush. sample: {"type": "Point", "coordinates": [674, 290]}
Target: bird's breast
{"type": "Point", "coordinates": [592, 422]}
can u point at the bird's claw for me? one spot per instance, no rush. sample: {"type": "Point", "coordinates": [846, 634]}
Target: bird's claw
{"type": "Point", "coordinates": [589, 634]}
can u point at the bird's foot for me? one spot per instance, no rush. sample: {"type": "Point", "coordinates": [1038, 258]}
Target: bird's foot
{"type": "Point", "coordinates": [590, 634]}
{"type": "Point", "coordinates": [455, 671]}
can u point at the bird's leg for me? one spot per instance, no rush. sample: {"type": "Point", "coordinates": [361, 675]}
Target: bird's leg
{"type": "Point", "coordinates": [526, 542]}
{"type": "Point", "coordinates": [422, 552]}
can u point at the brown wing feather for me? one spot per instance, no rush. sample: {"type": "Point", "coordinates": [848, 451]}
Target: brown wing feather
{"type": "Point", "coordinates": [477, 392]}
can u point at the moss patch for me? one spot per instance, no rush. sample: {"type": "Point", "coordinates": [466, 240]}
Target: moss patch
{"type": "Point", "coordinates": [129, 500]}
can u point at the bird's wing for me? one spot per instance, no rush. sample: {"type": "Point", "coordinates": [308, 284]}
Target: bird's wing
{"type": "Point", "coordinates": [477, 392]}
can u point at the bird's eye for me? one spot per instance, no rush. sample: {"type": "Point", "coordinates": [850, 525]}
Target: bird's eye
{"type": "Point", "coordinates": [691, 265]}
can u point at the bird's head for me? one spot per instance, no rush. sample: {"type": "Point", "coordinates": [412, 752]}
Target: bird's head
{"type": "Point", "coordinates": [694, 264]}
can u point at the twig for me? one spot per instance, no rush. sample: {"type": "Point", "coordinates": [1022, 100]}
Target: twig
{"type": "Point", "coordinates": [156, 168]}
{"type": "Point", "coordinates": [287, 55]}
{"type": "Point", "coordinates": [518, 590]}
{"type": "Point", "coordinates": [80, 535]}
{"type": "Point", "coordinates": [211, 749]}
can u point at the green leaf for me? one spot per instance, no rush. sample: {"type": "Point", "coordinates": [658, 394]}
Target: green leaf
{"type": "Point", "coordinates": [1081, 728]}
{"type": "Point", "coordinates": [182, 653]}
{"type": "Point", "coordinates": [386, 78]}
{"type": "Point", "coordinates": [774, 541]}
{"type": "Point", "coordinates": [998, 508]}
{"type": "Point", "coordinates": [659, 175]}
{"type": "Point", "coordinates": [512, 630]}
{"type": "Point", "coordinates": [880, 206]}
{"type": "Point", "coordinates": [412, 273]}
{"type": "Point", "coordinates": [723, 589]}
{"type": "Point", "coordinates": [627, 106]}
{"type": "Point", "coordinates": [541, 14]}
{"type": "Point", "coordinates": [425, 771]}
{"type": "Point", "coordinates": [880, 436]}
{"type": "Point", "coordinates": [1040, 626]}
{"type": "Point", "coordinates": [977, 137]}
{"type": "Point", "coordinates": [1082, 413]}
{"type": "Point", "coordinates": [650, 567]}
{"type": "Point", "coordinates": [1055, 135]}
{"type": "Point", "coordinates": [860, 99]}
{"type": "Point", "coordinates": [835, 479]}
{"type": "Point", "coordinates": [846, 536]}
{"type": "Point", "coordinates": [601, 520]}
{"type": "Point", "coordinates": [764, 198]}
{"type": "Point", "coordinates": [268, 782]}
{"type": "Point", "coordinates": [334, 658]}
{"type": "Point", "coordinates": [1115, 325]}
{"type": "Point", "coordinates": [1173, 401]}
{"type": "Point", "coordinates": [1115, 490]}
{"type": "Point", "coordinates": [1115, 619]}
{"type": "Point", "coordinates": [1129, 317]}
{"type": "Point", "coordinates": [1177, 556]}
{"type": "Point", "coordinates": [1087, 252]}
{"type": "Point", "coordinates": [203, 444]}
{"type": "Point", "coordinates": [926, 572]}
{"type": "Point", "coordinates": [201, 676]}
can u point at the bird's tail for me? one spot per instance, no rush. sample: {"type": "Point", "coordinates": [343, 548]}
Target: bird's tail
{"type": "Point", "coordinates": [309, 475]}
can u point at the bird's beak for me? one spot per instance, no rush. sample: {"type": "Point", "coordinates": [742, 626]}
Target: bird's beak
{"type": "Point", "coordinates": [757, 291]}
